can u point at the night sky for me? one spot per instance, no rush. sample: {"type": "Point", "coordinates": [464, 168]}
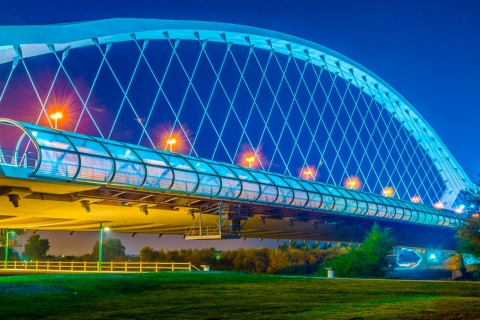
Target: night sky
{"type": "Point", "coordinates": [427, 50]}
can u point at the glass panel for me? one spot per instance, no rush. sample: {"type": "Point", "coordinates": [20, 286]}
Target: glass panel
{"type": "Point", "coordinates": [151, 158]}
{"type": "Point", "coordinates": [407, 215]}
{"type": "Point", "coordinates": [340, 204]}
{"type": "Point", "coordinates": [428, 218]}
{"type": "Point", "coordinates": [345, 193]}
{"type": "Point", "coordinates": [436, 219]}
{"type": "Point", "coordinates": [314, 200]}
{"type": "Point", "coordinates": [224, 171]}
{"type": "Point", "coordinates": [278, 181]}
{"type": "Point", "coordinates": [121, 152]}
{"type": "Point", "coordinates": [268, 193]}
{"type": "Point", "coordinates": [128, 173]}
{"type": "Point", "coordinates": [261, 177]}
{"type": "Point", "coordinates": [307, 186]}
{"type": "Point", "coordinates": [362, 207]}
{"type": "Point", "coordinates": [300, 198]}
{"type": "Point", "coordinates": [89, 146]}
{"type": "Point", "coordinates": [334, 192]}
{"type": "Point", "coordinates": [59, 164]}
{"type": "Point", "coordinates": [294, 184]}
{"type": "Point", "coordinates": [184, 181]}
{"type": "Point", "coordinates": [52, 140]}
{"type": "Point", "coordinates": [250, 190]}
{"type": "Point", "coordinates": [414, 216]}
{"type": "Point", "coordinates": [328, 202]}
{"type": "Point", "coordinates": [398, 213]}
{"type": "Point", "coordinates": [95, 168]}
{"type": "Point", "coordinates": [321, 189]}
{"type": "Point", "coordinates": [421, 217]}
{"type": "Point", "coordinates": [201, 166]}
{"type": "Point", "coordinates": [230, 188]}
{"type": "Point", "coordinates": [390, 212]}
{"type": "Point", "coordinates": [372, 209]}
{"type": "Point", "coordinates": [243, 175]}
{"type": "Point", "coordinates": [285, 196]}
{"type": "Point", "coordinates": [178, 163]}
{"type": "Point", "coordinates": [351, 206]}
{"type": "Point", "coordinates": [209, 185]}
{"type": "Point", "coordinates": [158, 178]}
{"type": "Point", "coordinates": [382, 210]}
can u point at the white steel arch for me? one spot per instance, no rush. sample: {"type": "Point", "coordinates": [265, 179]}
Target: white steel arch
{"type": "Point", "coordinates": [19, 42]}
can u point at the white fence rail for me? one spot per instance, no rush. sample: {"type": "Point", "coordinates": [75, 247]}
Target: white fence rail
{"type": "Point", "coordinates": [84, 266]}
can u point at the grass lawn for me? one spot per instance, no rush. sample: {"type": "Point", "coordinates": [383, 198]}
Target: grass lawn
{"type": "Point", "coordinates": [211, 295]}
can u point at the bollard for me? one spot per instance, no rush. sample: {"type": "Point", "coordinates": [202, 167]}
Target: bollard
{"type": "Point", "coordinates": [330, 272]}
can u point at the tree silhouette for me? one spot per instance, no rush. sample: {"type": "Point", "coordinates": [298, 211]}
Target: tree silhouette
{"type": "Point", "coordinates": [36, 248]}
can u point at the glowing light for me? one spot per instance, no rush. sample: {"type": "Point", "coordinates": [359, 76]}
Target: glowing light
{"type": "Point", "coordinates": [462, 206]}
{"type": "Point", "coordinates": [55, 116]}
{"type": "Point", "coordinates": [34, 133]}
{"type": "Point", "coordinates": [416, 199]}
{"type": "Point", "coordinates": [352, 183]}
{"type": "Point", "coordinates": [250, 157]}
{"type": "Point", "coordinates": [458, 210]}
{"type": "Point", "coordinates": [475, 215]}
{"type": "Point", "coordinates": [106, 229]}
{"type": "Point", "coordinates": [250, 160]}
{"type": "Point", "coordinates": [308, 173]}
{"type": "Point", "coordinates": [388, 192]}
{"type": "Point", "coordinates": [127, 152]}
{"type": "Point", "coordinates": [171, 142]}
{"type": "Point", "coordinates": [432, 256]}
{"type": "Point", "coordinates": [438, 205]}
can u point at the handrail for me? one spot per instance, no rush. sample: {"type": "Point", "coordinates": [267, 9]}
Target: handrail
{"type": "Point", "coordinates": [87, 266]}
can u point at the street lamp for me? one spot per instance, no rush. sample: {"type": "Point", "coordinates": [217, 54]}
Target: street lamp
{"type": "Point", "coordinates": [416, 199]}
{"type": "Point", "coordinates": [438, 205]}
{"type": "Point", "coordinates": [100, 246]}
{"type": "Point", "coordinates": [308, 173]}
{"type": "Point", "coordinates": [250, 161]}
{"type": "Point", "coordinates": [56, 116]}
{"type": "Point", "coordinates": [353, 183]}
{"type": "Point", "coordinates": [388, 192]}
{"type": "Point", "coordinates": [171, 142]}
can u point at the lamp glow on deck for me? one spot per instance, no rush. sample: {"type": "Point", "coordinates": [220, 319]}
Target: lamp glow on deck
{"type": "Point", "coordinates": [388, 192]}
{"type": "Point", "coordinates": [416, 199]}
{"type": "Point", "coordinates": [308, 173]}
{"type": "Point", "coordinates": [438, 205]}
{"type": "Point", "coordinates": [250, 160]}
{"type": "Point", "coordinates": [352, 183]}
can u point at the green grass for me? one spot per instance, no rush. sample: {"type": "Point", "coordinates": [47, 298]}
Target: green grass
{"type": "Point", "coordinates": [203, 295]}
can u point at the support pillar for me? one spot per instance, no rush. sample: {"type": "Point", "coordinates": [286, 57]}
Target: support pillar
{"type": "Point", "coordinates": [6, 247]}
{"type": "Point", "coordinates": [100, 248]}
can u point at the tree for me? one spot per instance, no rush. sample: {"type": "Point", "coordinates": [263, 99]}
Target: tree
{"type": "Point", "coordinates": [113, 250]}
{"type": "Point", "coordinates": [147, 254]}
{"type": "Point", "coordinates": [468, 236]}
{"type": "Point", "coordinates": [370, 259]}
{"type": "Point", "coordinates": [36, 248]}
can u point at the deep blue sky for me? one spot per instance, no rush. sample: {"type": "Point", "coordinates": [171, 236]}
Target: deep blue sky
{"type": "Point", "coordinates": [427, 50]}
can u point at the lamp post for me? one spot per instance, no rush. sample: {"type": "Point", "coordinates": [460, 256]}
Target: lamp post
{"type": "Point", "coordinates": [250, 161]}
{"type": "Point", "coordinates": [308, 173]}
{"type": "Point", "coordinates": [6, 248]}
{"type": "Point", "coordinates": [171, 142]}
{"type": "Point", "coordinates": [56, 116]}
{"type": "Point", "coordinates": [100, 246]}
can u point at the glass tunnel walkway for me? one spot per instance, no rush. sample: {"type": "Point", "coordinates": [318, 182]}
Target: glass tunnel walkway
{"type": "Point", "coordinates": [49, 154]}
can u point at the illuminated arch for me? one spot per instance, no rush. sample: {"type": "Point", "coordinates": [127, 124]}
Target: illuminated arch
{"type": "Point", "coordinates": [20, 42]}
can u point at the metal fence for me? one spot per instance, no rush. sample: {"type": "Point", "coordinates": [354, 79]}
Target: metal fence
{"type": "Point", "coordinates": [84, 266]}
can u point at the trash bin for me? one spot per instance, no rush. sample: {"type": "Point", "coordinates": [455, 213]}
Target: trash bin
{"type": "Point", "coordinates": [205, 267]}
{"type": "Point", "coordinates": [330, 272]}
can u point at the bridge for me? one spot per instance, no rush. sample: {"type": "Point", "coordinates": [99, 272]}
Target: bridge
{"type": "Point", "coordinates": [212, 130]}
{"type": "Point", "coordinates": [58, 180]}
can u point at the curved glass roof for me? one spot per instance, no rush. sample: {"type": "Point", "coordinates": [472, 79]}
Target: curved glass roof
{"type": "Point", "coordinates": [75, 157]}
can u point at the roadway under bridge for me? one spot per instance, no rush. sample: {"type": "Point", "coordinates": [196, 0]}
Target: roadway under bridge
{"type": "Point", "coordinates": [58, 180]}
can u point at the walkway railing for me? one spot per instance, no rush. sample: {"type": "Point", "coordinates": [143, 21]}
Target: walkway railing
{"type": "Point", "coordinates": [84, 266]}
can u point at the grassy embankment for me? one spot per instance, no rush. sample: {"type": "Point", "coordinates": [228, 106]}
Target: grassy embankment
{"type": "Point", "coordinates": [213, 295]}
